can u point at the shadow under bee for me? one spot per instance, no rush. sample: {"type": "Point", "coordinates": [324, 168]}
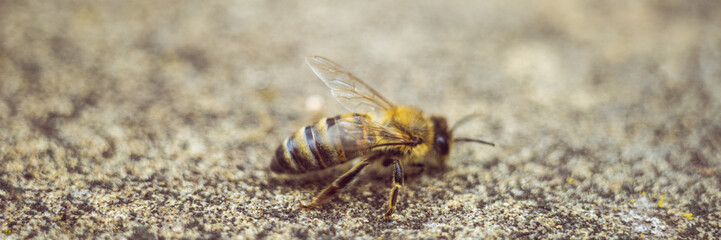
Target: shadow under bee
{"type": "Point", "coordinates": [374, 174]}
{"type": "Point", "coordinates": [309, 180]}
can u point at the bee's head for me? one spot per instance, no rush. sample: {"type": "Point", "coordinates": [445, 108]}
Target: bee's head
{"type": "Point", "coordinates": [443, 137]}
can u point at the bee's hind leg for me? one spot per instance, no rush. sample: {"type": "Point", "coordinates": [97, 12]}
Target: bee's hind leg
{"type": "Point", "coordinates": [397, 185]}
{"type": "Point", "coordinates": [337, 185]}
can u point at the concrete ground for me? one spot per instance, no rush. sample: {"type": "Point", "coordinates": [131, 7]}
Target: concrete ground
{"type": "Point", "coordinates": [157, 119]}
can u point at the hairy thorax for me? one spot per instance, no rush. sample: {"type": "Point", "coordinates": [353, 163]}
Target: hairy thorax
{"type": "Point", "coordinates": [414, 124]}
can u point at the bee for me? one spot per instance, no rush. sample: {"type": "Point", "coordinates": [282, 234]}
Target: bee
{"type": "Point", "coordinates": [378, 132]}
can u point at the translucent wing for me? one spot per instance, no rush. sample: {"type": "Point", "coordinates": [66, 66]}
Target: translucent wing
{"type": "Point", "coordinates": [351, 92]}
{"type": "Point", "coordinates": [357, 133]}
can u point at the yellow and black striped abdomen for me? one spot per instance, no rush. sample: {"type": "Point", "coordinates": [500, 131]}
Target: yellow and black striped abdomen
{"type": "Point", "coordinates": [327, 143]}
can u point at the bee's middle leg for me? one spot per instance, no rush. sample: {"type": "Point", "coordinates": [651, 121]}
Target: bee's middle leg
{"type": "Point", "coordinates": [397, 184]}
{"type": "Point", "coordinates": [337, 185]}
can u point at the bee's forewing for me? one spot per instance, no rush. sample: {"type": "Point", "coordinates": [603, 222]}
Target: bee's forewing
{"type": "Point", "coordinates": [351, 92]}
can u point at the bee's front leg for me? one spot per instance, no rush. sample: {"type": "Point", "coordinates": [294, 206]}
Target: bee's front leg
{"type": "Point", "coordinates": [397, 184]}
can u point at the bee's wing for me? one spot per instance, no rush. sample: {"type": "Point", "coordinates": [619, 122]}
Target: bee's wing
{"type": "Point", "coordinates": [360, 133]}
{"type": "Point", "coordinates": [351, 92]}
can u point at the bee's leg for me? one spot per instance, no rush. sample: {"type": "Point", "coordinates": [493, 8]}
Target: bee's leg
{"type": "Point", "coordinates": [397, 184]}
{"type": "Point", "coordinates": [337, 185]}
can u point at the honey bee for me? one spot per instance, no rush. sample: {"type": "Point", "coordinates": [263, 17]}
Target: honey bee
{"type": "Point", "coordinates": [378, 132]}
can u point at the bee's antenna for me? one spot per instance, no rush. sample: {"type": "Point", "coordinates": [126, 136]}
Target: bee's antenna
{"type": "Point", "coordinates": [465, 120]}
{"type": "Point", "coordinates": [473, 140]}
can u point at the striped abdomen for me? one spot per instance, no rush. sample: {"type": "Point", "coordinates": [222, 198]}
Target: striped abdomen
{"type": "Point", "coordinates": [327, 143]}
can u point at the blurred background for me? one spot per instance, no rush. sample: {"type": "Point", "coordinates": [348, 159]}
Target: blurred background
{"type": "Point", "coordinates": [157, 119]}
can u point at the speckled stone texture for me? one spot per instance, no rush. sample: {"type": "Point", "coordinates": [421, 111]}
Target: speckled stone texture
{"type": "Point", "coordinates": [157, 119]}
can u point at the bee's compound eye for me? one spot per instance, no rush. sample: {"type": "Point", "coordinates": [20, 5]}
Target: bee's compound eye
{"type": "Point", "coordinates": [442, 144]}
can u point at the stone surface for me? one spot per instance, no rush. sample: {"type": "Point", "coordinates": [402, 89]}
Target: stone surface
{"type": "Point", "coordinates": [157, 119]}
